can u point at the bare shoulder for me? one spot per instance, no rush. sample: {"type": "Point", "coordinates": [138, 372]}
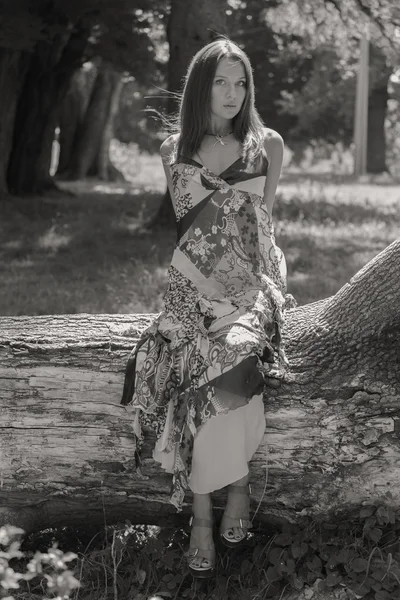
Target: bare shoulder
{"type": "Point", "coordinates": [167, 147]}
{"type": "Point", "coordinates": [273, 141]}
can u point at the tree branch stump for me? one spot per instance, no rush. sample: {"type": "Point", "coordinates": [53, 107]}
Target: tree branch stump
{"type": "Point", "coordinates": [333, 429]}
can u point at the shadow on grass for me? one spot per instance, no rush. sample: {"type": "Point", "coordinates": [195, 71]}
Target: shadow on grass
{"type": "Point", "coordinates": [328, 212]}
{"type": "Point", "coordinates": [68, 254]}
{"type": "Point", "coordinates": [327, 177]}
{"type": "Point", "coordinates": [84, 253]}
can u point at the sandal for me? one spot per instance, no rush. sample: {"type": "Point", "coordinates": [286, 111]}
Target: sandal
{"type": "Point", "coordinates": [227, 535]}
{"type": "Point", "coordinates": [207, 555]}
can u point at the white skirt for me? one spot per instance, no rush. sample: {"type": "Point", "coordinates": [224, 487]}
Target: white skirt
{"type": "Point", "coordinates": [223, 446]}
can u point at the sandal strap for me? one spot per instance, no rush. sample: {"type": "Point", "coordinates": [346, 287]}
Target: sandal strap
{"type": "Point", "coordinates": [205, 553]}
{"type": "Point", "coordinates": [244, 523]}
{"type": "Point", "coordinates": [206, 523]}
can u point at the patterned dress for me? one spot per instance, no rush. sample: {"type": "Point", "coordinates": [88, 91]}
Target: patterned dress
{"type": "Point", "coordinates": [208, 352]}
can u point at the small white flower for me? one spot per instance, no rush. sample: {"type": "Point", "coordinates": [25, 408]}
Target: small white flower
{"type": "Point", "coordinates": [223, 242]}
{"type": "Point", "coordinates": [214, 229]}
{"type": "Point", "coordinates": [197, 231]}
{"type": "Point", "coordinates": [226, 209]}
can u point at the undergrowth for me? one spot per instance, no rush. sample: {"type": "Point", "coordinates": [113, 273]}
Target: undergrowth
{"type": "Point", "coordinates": [360, 554]}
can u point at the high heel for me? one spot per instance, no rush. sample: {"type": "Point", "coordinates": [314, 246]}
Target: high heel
{"type": "Point", "coordinates": [230, 521]}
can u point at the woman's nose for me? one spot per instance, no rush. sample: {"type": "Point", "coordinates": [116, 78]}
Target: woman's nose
{"type": "Point", "coordinates": [231, 92]}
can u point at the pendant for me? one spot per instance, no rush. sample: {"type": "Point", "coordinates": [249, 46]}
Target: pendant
{"type": "Point", "coordinates": [220, 140]}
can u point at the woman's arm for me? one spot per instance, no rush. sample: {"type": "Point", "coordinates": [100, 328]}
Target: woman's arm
{"type": "Point", "coordinates": [166, 150]}
{"type": "Point", "coordinates": [273, 145]}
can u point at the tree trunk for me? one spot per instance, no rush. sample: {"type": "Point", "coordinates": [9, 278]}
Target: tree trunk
{"type": "Point", "coordinates": [71, 116]}
{"type": "Point", "coordinates": [86, 125]}
{"type": "Point", "coordinates": [376, 150]}
{"type": "Point", "coordinates": [191, 25]}
{"type": "Point", "coordinates": [377, 108]}
{"type": "Point", "coordinates": [106, 170]}
{"type": "Point", "coordinates": [91, 132]}
{"type": "Point", "coordinates": [50, 69]}
{"type": "Point", "coordinates": [13, 65]}
{"type": "Point", "coordinates": [333, 427]}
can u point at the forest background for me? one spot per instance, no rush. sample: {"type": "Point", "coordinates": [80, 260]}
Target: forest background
{"type": "Point", "coordinates": [80, 82]}
{"type": "Point", "coordinates": [86, 225]}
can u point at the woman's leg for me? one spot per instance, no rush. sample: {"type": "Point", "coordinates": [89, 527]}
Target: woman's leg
{"type": "Point", "coordinates": [237, 505]}
{"type": "Point", "coordinates": [201, 537]}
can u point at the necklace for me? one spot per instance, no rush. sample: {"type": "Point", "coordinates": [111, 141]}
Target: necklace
{"type": "Point", "coordinates": [219, 137]}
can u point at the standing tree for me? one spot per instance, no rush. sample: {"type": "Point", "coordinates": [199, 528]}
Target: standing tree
{"type": "Point", "coordinates": [124, 46]}
{"type": "Point", "coordinates": [51, 65]}
{"type": "Point", "coordinates": [380, 73]}
{"type": "Point", "coordinates": [72, 113]}
{"type": "Point", "coordinates": [18, 36]}
{"type": "Point", "coordinates": [58, 37]}
{"type": "Point", "coordinates": [89, 152]}
{"type": "Point", "coordinates": [324, 104]}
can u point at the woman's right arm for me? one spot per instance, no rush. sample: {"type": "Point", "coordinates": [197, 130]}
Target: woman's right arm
{"type": "Point", "coordinates": [166, 149]}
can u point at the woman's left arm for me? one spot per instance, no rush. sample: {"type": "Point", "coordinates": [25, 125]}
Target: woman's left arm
{"type": "Point", "coordinates": [273, 145]}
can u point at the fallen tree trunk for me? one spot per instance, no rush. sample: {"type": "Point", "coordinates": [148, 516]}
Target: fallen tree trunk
{"type": "Point", "coordinates": [67, 454]}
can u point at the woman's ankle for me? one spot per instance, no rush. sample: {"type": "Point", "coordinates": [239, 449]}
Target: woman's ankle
{"type": "Point", "coordinates": [202, 506]}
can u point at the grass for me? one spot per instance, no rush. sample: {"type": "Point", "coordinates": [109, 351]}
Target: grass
{"type": "Point", "coordinates": [327, 560]}
{"type": "Point", "coordinates": [83, 253]}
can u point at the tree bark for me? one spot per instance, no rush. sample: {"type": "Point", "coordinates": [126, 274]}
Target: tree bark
{"type": "Point", "coordinates": [376, 149]}
{"type": "Point", "coordinates": [106, 170]}
{"type": "Point", "coordinates": [13, 65]}
{"type": "Point", "coordinates": [51, 66]}
{"type": "Point", "coordinates": [191, 25]}
{"type": "Point", "coordinates": [85, 160]}
{"type": "Point", "coordinates": [377, 108]}
{"type": "Point", "coordinates": [87, 125]}
{"type": "Point", "coordinates": [71, 116]}
{"type": "Point", "coordinates": [333, 426]}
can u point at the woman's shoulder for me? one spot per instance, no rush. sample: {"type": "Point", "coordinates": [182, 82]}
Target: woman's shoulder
{"type": "Point", "coordinates": [273, 144]}
{"type": "Point", "coordinates": [272, 139]}
{"type": "Point", "coordinates": [168, 146]}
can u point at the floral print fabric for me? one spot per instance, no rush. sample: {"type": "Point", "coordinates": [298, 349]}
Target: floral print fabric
{"type": "Point", "coordinates": [219, 334]}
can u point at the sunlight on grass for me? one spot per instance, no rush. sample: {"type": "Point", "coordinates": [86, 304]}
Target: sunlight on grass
{"type": "Point", "coordinates": [88, 253]}
{"type": "Point", "coordinates": [53, 240]}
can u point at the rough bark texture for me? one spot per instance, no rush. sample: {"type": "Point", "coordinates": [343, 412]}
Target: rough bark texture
{"type": "Point", "coordinates": [189, 29]}
{"type": "Point", "coordinates": [332, 440]}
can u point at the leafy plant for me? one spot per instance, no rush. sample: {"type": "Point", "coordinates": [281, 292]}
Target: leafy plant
{"type": "Point", "coordinates": [51, 566]}
{"type": "Point", "coordinates": [362, 555]}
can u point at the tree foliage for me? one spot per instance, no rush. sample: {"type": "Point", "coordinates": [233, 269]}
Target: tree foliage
{"type": "Point", "coordinates": [305, 57]}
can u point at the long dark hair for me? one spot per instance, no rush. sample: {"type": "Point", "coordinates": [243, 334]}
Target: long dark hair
{"type": "Point", "coordinates": [194, 111]}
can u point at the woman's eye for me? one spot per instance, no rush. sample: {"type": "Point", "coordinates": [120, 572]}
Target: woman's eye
{"type": "Point", "coordinates": [242, 83]}
{"type": "Point", "coordinates": [219, 81]}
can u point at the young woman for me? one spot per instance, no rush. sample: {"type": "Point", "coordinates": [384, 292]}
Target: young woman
{"type": "Point", "coordinates": [201, 366]}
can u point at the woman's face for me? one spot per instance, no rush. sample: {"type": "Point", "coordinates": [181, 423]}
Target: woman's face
{"type": "Point", "coordinates": [228, 90]}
